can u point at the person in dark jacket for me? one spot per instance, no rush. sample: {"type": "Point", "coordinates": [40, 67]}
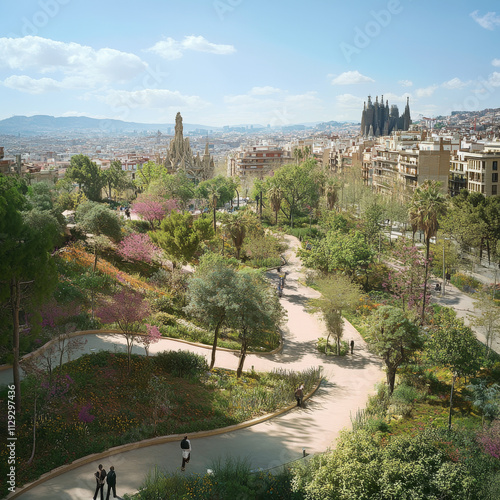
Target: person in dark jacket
{"type": "Point", "coordinates": [186, 452]}
{"type": "Point", "coordinates": [111, 480]}
{"type": "Point", "coordinates": [100, 477]}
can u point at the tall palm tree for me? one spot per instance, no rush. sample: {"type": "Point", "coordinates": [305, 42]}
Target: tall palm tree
{"type": "Point", "coordinates": [428, 204]}
{"type": "Point", "coordinates": [214, 199]}
{"type": "Point", "coordinates": [275, 195]}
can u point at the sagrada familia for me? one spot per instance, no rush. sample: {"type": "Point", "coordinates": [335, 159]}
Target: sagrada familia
{"type": "Point", "coordinates": [377, 119]}
{"type": "Point", "coordinates": [180, 157]}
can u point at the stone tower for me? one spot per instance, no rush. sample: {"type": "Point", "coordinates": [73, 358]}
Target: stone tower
{"type": "Point", "coordinates": [180, 156]}
{"type": "Point", "coordinates": [380, 119]}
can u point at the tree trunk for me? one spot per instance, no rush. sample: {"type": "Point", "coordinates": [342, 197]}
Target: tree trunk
{"type": "Point", "coordinates": [34, 435]}
{"type": "Point", "coordinates": [243, 355]}
{"type": "Point", "coordinates": [451, 399]}
{"type": "Point", "coordinates": [326, 346]}
{"type": "Point", "coordinates": [15, 303]}
{"type": "Point", "coordinates": [214, 345]}
{"type": "Point", "coordinates": [391, 379]}
{"type": "Point", "coordinates": [427, 243]}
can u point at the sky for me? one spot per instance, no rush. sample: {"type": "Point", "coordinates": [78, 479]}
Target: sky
{"type": "Point", "coordinates": [233, 62]}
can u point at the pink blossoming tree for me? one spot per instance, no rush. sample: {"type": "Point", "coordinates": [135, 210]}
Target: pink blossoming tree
{"type": "Point", "coordinates": [138, 247]}
{"type": "Point", "coordinates": [152, 336]}
{"type": "Point", "coordinates": [128, 310]}
{"type": "Point", "coordinates": [153, 208]}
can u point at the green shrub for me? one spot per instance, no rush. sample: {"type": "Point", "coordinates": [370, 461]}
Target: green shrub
{"type": "Point", "coordinates": [378, 403]}
{"type": "Point", "coordinates": [163, 319]}
{"type": "Point", "coordinates": [403, 400]}
{"type": "Point", "coordinates": [181, 363]}
{"type": "Point", "coordinates": [139, 226]}
{"type": "Point", "coordinates": [332, 347]}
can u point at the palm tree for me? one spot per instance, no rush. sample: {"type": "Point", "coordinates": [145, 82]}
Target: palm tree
{"type": "Point", "coordinates": [275, 195]}
{"type": "Point", "coordinates": [428, 204]}
{"type": "Point", "coordinates": [298, 154]}
{"type": "Point", "coordinates": [214, 198]}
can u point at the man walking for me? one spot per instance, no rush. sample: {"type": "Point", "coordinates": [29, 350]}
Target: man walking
{"type": "Point", "coordinates": [186, 452]}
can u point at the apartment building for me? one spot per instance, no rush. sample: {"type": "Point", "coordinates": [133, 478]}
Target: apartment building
{"type": "Point", "coordinates": [257, 161]}
{"type": "Point", "coordinates": [482, 171]}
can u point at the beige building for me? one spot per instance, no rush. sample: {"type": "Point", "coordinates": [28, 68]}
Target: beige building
{"type": "Point", "coordinates": [257, 162]}
{"type": "Point", "coordinates": [387, 167]}
{"type": "Point", "coordinates": [482, 172]}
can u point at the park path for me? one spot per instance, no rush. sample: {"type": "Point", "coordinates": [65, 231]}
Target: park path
{"type": "Point", "coordinates": [314, 428]}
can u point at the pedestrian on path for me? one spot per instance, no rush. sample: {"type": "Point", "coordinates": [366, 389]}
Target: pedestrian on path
{"type": "Point", "coordinates": [111, 480]}
{"type": "Point", "coordinates": [186, 452]}
{"type": "Point", "coordinates": [299, 394]}
{"type": "Point", "coordinates": [100, 478]}
{"type": "Point", "coordinates": [352, 346]}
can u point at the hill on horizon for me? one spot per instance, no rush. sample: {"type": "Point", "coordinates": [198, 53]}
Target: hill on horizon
{"type": "Point", "coordinates": [41, 124]}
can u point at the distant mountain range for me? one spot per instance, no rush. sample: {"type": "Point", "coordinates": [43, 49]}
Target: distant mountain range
{"type": "Point", "coordinates": [45, 124]}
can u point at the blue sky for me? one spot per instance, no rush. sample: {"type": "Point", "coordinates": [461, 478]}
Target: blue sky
{"type": "Point", "coordinates": [229, 62]}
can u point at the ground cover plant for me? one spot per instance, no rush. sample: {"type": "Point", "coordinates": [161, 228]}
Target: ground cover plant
{"type": "Point", "coordinates": [95, 402]}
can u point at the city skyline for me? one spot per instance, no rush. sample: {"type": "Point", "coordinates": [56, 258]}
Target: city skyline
{"type": "Point", "coordinates": [232, 62]}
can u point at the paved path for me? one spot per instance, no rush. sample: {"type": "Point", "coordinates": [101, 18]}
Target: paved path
{"type": "Point", "coordinates": [348, 383]}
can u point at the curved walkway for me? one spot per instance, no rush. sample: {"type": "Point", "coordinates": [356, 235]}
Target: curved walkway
{"type": "Point", "coordinates": [314, 428]}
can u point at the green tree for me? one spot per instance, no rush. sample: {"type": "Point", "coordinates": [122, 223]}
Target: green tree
{"type": "Point", "coordinates": [237, 226]}
{"type": "Point", "coordinates": [275, 196]}
{"type": "Point", "coordinates": [393, 337]}
{"type": "Point", "coordinates": [99, 221]}
{"type": "Point", "coordinates": [148, 175]}
{"type": "Point", "coordinates": [299, 186]}
{"type": "Point", "coordinates": [338, 294]}
{"type": "Point", "coordinates": [210, 295]}
{"type": "Point", "coordinates": [339, 251]}
{"type": "Point", "coordinates": [27, 270]}
{"type": "Point", "coordinates": [224, 186]}
{"type": "Point", "coordinates": [427, 206]}
{"type": "Point", "coordinates": [88, 175]}
{"type": "Point", "coordinates": [422, 465]}
{"type": "Point", "coordinates": [180, 236]}
{"type": "Point", "coordinates": [454, 346]}
{"type": "Point", "coordinates": [115, 178]}
{"type": "Point", "coordinates": [258, 312]}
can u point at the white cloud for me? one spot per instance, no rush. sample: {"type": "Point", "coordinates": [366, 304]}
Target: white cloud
{"type": "Point", "coordinates": [427, 91]}
{"type": "Point", "coordinates": [24, 83]}
{"type": "Point", "coordinates": [350, 101]}
{"type": "Point", "coordinates": [405, 83]}
{"type": "Point", "coordinates": [45, 56]}
{"type": "Point", "coordinates": [489, 21]}
{"type": "Point", "coordinates": [454, 83]}
{"type": "Point", "coordinates": [494, 79]}
{"type": "Point", "coordinates": [495, 62]}
{"type": "Point", "coordinates": [267, 90]}
{"type": "Point", "coordinates": [395, 98]}
{"type": "Point", "coordinates": [172, 49]}
{"type": "Point", "coordinates": [351, 78]}
{"type": "Point", "coordinates": [150, 98]}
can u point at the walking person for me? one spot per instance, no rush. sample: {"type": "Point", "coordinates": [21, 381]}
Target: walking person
{"type": "Point", "coordinates": [299, 394]}
{"type": "Point", "coordinates": [100, 477]}
{"type": "Point", "coordinates": [186, 452]}
{"type": "Point", "coordinates": [352, 346]}
{"type": "Point", "coordinates": [111, 480]}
